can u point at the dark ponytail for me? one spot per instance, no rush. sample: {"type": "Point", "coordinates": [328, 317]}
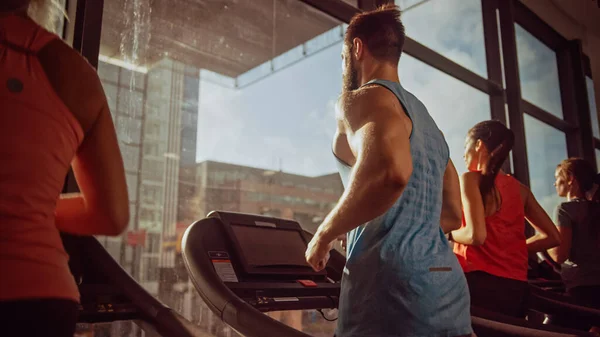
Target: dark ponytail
{"type": "Point", "coordinates": [498, 140]}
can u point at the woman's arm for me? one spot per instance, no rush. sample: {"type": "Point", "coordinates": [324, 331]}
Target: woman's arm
{"type": "Point", "coordinates": [102, 207]}
{"type": "Point", "coordinates": [561, 252]}
{"type": "Point", "coordinates": [451, 216]}
{"type": "Point", "coordinates": [547, 235]}
{"type": "Point", "coordinates": [474, 231]}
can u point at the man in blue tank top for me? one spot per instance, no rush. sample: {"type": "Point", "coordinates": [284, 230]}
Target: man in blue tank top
{"type": "Point", "coordinates": [401, 194]}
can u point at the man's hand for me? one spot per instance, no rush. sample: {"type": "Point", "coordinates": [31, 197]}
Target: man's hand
{"type": "Point", "coordinates": [343, 241]}
{"type": "Point", "coordinates": [317, 253]}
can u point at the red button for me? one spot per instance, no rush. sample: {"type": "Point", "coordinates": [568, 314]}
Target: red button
{"type": "Point", "coordinates": [307, 283]}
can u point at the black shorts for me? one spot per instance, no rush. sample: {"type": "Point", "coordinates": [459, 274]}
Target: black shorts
{"type": "Point", "coordinates": [498, 294]}
{"type": "Point", "coordinates": [38, 317]}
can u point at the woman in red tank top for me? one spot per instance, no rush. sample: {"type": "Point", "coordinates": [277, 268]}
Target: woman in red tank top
{"type": "Point", "coordinates": [491, 245]}
{"type": "Point", "coordinates": [54, 115]}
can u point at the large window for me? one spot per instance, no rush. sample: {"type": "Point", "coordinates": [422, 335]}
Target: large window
{"type": "Point", "coordinates": [453, 28]}
{"type": "Point", "coordinates": [538, 72]}
{"type": "Point", "coordinates": [239, 99]}
{"type": "Point", "coordinates": [454, 106]}
{"type": "Point", "coordinates": [546, 148]}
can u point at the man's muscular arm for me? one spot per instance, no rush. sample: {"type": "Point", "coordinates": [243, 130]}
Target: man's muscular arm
{"type": "Point", "coordinates": [451, 216]}
{"type": "Point", "coordinates": [380, 140]}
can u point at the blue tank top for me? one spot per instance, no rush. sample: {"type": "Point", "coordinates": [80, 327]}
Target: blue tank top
{"type": "Point", "coordinates": [401, 277]}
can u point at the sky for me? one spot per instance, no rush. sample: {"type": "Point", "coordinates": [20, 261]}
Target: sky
{"type": "Point", "coordinates": [286, 119]}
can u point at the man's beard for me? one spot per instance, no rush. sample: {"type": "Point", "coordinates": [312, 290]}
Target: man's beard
{"type": "Point", "coordinates": [350, 78]}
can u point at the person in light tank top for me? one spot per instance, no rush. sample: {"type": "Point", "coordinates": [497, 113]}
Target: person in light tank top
{"type": "Point", "coordinates": [491, 245]}
{"type": "Point", "coordinates": [401, 195]}
{"type": "Point", "coordinates": [54, 116]}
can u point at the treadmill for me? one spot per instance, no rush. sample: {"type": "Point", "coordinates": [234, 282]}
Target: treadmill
{"type": "Point", "coordinates": [547, 296]}
{"type": "Point", "coordinates": [244, 265]}
{"type": "Point", "coordinates": [109, 293]}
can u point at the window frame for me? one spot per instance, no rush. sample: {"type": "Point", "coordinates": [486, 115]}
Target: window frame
{"type": "Point", "coordinates": [587, 68]}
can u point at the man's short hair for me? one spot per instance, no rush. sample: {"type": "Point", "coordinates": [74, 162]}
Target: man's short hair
{"type": "Point", "coordinates": [381, 30]}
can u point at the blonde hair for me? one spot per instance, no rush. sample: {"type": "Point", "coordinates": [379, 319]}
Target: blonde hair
{"type": "Point", "coordinates": [48, 14]}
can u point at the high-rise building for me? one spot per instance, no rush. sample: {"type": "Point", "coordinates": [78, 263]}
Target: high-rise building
{"type": "Point", "coordinates": [157, 133]}
{"type": "Point", "coordinates": [125, 90]}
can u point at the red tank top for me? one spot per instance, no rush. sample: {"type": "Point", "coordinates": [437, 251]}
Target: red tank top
{"type": "Point", "coordinates": [504, 252]}
{"type": "Point", "coordinates": [38, 140]}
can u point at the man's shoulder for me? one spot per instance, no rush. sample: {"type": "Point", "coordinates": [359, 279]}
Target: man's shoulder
{"type": "Point", "coordinates": [369, 97]}
{"type": "Point", "coordinates": [370, 94]}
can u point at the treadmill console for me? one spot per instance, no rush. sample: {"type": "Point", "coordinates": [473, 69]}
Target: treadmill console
{"type": "Point", "coordinates": [267, 246]}
{"type": "Point", "coordinates": [260, 260]}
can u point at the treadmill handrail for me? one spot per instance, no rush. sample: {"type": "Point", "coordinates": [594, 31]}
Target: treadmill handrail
{"type": "Point", "coordinates": [552, 303]}
{"type": "Point", "coordinates": [540, 329]}
{"type": "Point", "coordinates": [159, 314]}
{"type": "Point", "coordinates": [240, 315]}
{"type": "Point", "coordinates": [491, 328]}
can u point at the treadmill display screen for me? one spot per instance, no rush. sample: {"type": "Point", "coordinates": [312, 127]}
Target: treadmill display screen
{"type": "Point", "coordinates": [270, 247]}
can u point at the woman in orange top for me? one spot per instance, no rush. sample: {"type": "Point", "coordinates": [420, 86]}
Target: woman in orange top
{"type": "Point", "coordinates": [491, 245]}
{"type": "Point", "coordinates": [53, 115]}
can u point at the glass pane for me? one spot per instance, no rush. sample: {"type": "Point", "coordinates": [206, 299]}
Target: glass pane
{"type": "Point", "coordinates": [453, 28]}
{"type": "Point", "coordinates": [592, 101]}
{"type": "Point", "coordinates": [454, 111]}
{"type": "Point", "coordinates": [507, 117]}
{"type": "Point", "coordinates": [330, 37]}
{"type": "Point", "coordinates": [54, 16]}
{"type": "Point", "coordinates": [287, 58]}
{"type": "Point", "coordinates": [598, 159]}
{"type": "Point", "coordinates": [108, 72]}
{"type": "Point", "coordinates": [228, 100]}
{"type": "Point", "coordinates": [132, 79]}
{"type": "Point", "coordinates": [132, 185]}
{"type": "Point", "coordinates": [538, 72]}
{"type": "Point", "coordinates": [130, 102]}
{"type": "Point", "coordinates": [500, 44]}
{"type": "Point", "coordinates": [113, 246]}
{"type": "Point", "coordinates": [132, 217]}
{"type": "Point", "coordinates": [128, 129]}
{"type": "Point", "coordinates": [110, 90]}
{"type": "Point", "coordinates": [131, 156]}
{"type": "Point", "coordinates": [546, 148]}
